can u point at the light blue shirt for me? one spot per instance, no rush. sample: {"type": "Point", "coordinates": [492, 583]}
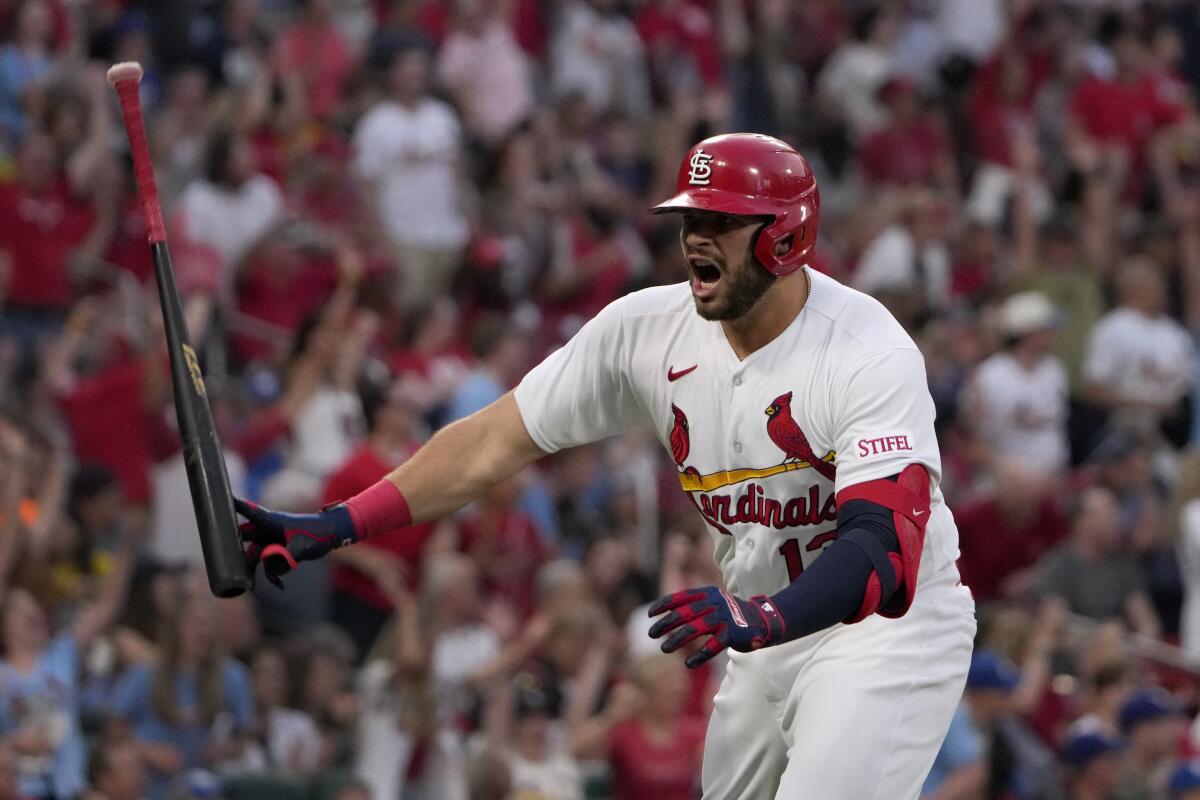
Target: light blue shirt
{"type": "Point", "coordinates": [475, 393]}
{"type": "Point", "coordinates": [17, 72]}
{"type": "Point", "coordinates": [133, 701]}
{"type": "Point", "coordinates": [47, 697]}
{"type": "Point", "coordinates": [961, 746]}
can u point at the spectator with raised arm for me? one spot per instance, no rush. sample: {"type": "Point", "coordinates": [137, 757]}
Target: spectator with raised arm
{"type": "Point", "coordinates": [328, 426]}
{"type": "Point", "coordinates": [40, 680]}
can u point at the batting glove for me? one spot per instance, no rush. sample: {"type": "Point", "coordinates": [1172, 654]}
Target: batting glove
{"type": "Point", "coordinates": [280, 541]}
{"type": "Point", "coordinates": [728, 621]}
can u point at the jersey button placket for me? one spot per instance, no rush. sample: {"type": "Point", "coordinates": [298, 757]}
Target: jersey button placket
{"type": "Point", "coordinates": [737, 381]}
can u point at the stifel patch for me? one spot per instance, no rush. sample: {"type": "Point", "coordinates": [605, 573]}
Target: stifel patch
{"type": "Point", "coordinates": [867, 448]}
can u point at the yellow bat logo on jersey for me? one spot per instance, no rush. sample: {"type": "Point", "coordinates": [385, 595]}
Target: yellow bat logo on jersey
{"type": "Point", "coordinates": [692, 481]}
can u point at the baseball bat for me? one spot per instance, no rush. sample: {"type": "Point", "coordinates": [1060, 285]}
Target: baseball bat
{"type": "Point", "coordinates": [212, 498]}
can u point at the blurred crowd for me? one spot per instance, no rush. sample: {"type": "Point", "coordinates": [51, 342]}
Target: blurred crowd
{"type": "Point", "coordinates": [383, 212]}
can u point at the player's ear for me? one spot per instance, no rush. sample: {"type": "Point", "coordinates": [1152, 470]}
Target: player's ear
{"type": "Point", "coordinates": [784, 245]}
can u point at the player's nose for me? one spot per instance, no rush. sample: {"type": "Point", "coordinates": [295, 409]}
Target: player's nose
{"type": "Point", "coordinates": [697, 233]}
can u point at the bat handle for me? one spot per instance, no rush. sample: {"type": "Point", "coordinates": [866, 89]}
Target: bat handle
{"type": "Point", "coordinates": [125, 79]}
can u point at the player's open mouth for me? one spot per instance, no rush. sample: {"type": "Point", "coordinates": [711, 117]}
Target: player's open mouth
{"type": "Point", "coordinates": [705, 276]}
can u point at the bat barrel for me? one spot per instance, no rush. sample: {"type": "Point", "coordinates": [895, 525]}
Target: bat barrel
{"type": "Point", "coordinates": [203, 458]}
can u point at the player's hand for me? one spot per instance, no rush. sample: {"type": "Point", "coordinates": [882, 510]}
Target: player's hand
{"type": "Point", "coordinates": [282, 540]}
{"type": "Point", "coordinates": [727, 621]}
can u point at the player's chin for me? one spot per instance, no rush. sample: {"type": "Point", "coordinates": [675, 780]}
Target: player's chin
{"type": "Point", "coordinates": [711, 296]}
{"type": "Point", "coordinates": [713, 309]}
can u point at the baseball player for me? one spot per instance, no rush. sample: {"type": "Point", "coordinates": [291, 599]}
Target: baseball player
{"type": "Point", "coordinates": [798, 417]}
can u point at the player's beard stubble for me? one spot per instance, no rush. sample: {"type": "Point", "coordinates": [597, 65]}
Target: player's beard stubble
{"type": "Point", "coordinates": [741, 289]}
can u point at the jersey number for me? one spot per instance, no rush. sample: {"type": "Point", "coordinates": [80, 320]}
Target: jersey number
{"type": "Point", "coordinates": [790, 550]}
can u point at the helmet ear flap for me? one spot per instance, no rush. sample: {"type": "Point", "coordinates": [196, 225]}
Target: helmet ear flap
{"type": "Point", "coordinates": [770, 235]}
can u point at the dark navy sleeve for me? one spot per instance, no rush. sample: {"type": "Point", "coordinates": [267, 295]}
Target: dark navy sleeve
{"type": "Point", "coordinates": [833, 588]}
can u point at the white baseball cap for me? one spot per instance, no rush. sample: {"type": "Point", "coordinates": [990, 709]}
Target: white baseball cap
{"type": "Point", "coordinates": [1028, 312]}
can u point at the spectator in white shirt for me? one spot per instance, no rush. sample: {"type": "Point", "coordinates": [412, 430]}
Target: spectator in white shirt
{"type": "Point", "coordinates": [848, 84]}
{"type": "Point", "coordinates": [407, 151]}
{"type": "Point", "coordinates": [233, 207]}
{"type": "Point", "coordinates": [907, 266]}
{"type": "Point", "coordinates": [1017, 399]}
{"type": "Point", "coordinates": [1138, 364]}
{"type": "Point", "coordinates": [597, 53]}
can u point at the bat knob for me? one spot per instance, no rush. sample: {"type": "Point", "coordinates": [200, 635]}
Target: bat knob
{"type": "Point", "coordinates": [125, 71]}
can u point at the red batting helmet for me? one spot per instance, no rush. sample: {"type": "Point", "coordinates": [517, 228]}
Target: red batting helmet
{"type": "Point", "coordinates": [748, 173]}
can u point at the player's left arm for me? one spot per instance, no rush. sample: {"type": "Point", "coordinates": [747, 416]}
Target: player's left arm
{"type": "Point", "coordinates": [885, 450]}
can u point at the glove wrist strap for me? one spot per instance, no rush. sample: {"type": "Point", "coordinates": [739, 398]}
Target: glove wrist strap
{"type": "Point", "coordinates": [776, 627]}
{"type": "Point", "coordinates": [379, 509]}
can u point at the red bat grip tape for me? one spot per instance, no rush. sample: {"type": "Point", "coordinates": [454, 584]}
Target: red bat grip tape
{"type": "Point", "coordinates": [143, 170]}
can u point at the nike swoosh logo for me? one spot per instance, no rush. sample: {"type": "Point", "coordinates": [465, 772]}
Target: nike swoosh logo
{"type": "Point", "coordinates": [672, 375]}
{"type": "Point", "coordinates": [917, 513]}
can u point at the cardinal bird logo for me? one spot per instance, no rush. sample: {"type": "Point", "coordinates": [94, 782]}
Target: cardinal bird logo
{"type": "Point", "coordinates": [788, 437]}
{"type": "Point", "coordinates": [680, 443]}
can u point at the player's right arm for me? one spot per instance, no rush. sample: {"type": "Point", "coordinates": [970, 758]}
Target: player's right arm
{"type": "Point", "coordinates": [579, 394]}
{"type": "Point", "coordinates": [465, 459]}
{"type": "Point", "coordinates": [460, 463]}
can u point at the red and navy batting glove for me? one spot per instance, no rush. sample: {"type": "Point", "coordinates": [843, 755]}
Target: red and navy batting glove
{"type": "Point", "coordinates": [728, 621]}
{"type": "Point", "coordinates": [282, 540]}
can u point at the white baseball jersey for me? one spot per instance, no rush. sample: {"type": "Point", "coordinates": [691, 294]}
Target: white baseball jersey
{"type": "Point", "coordinates": [843, 386]}
{"type": "Point", "coordinates": [1141, 357]}
{"type": "Point", "coordinates": [1024, 412]}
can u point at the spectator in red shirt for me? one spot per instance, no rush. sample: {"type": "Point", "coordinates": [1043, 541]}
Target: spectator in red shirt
{"type": "Point", "coordinates": [595, 256]}
{"type": "Point", "coordinates": [505, 545]}
{"type": "Point", "coordinates": [284, 280]}
{"type": "Point", "coordinates": [911, 147]}
{"type": "Point", "coordinates": [364, 578]}
{"type": "Point", "coordinates": [314, 61]}
{"type": "Point", "coordinates": [681, 40]}
{"type": "Point", "coordinates": [44, 226]}
{"type": "Point", "coordinates": [107, 391]}
{"type": "Point", "coordinates": [430, 358]}
{"type": "Point", "coordinates": [1001, 536]}
{"type": "Point", "coordinates": [1121, 114]}
{"type": "Point", "coordinates": [653, 749]}
{"type": "Point", "coordinates": [127, 248]}
{"type": "Point", "coordinates": [1002, 99]}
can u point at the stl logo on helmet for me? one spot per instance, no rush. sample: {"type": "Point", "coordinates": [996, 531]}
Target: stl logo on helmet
{"type": "Point", "coordinates": [700, 170]}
